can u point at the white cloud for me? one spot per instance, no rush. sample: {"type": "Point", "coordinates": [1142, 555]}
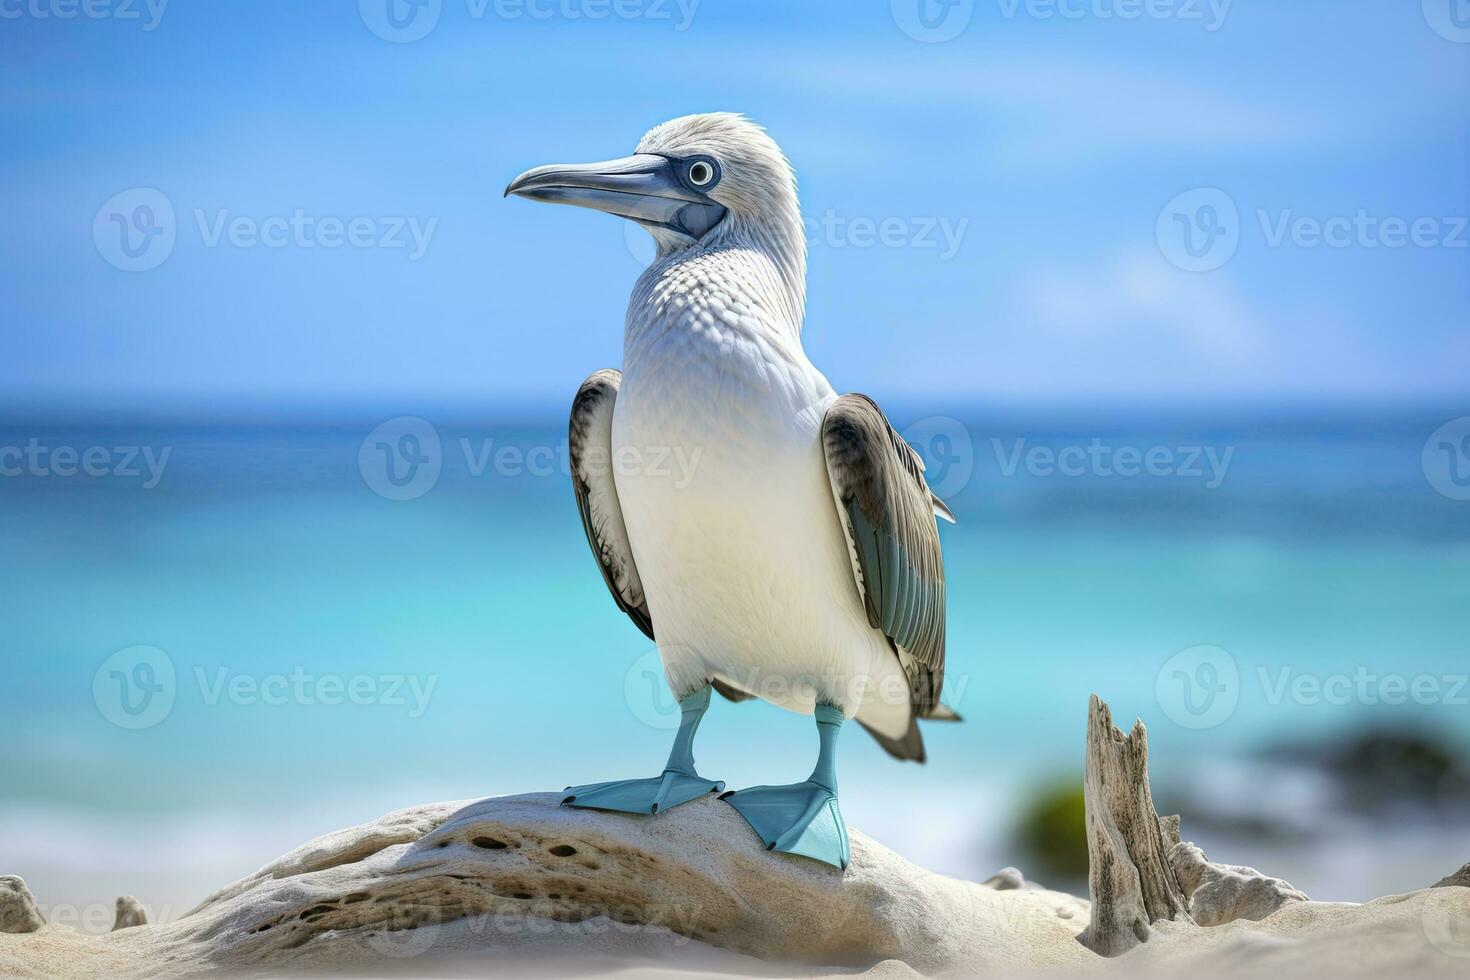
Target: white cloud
{"type": "Point", "coordinates": [1140, 295]}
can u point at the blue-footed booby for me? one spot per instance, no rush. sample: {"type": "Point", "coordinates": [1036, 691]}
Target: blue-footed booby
{"type": "Point", "coordinates": [798, 559]}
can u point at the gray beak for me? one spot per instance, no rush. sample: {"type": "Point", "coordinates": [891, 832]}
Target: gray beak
{"type": "Point", "coordinates": [643, 187]}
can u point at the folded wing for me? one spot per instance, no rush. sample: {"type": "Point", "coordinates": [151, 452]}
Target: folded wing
{"type": "Point", "coordinates": [589, 439]}
{"type": "Point", "coordinates": [888, 514]}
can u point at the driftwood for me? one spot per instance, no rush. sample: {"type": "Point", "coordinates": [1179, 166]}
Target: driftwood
{"type": "Point", "coordinates": [1130, 878]}
{"type": "Point", "coordinates": [1140, 871]}
{"type": "Point", "coordinates": [1221, 893]}
{"type": "Point", "coordinates": [18, 911]}
{"type": "Point", "coordinates": [129, 914]}
{"type": "Point", "coordinates": [519, 877]}
{"type": "Point", "coordinates": [519, 883]}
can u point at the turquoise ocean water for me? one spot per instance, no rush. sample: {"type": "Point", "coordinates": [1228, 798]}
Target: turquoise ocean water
{"type": "Point", "coordinates": [318, 653]}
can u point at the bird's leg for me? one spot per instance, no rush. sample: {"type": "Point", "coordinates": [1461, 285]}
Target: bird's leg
{"type": "Point", "coordinates": [679, 782]}
{"type": "Point", "coordinates": [802, 818]}
{"type": "Point", "coordinates": [691, 712]}
{"type": "Point", "coordinates": [829, 723]}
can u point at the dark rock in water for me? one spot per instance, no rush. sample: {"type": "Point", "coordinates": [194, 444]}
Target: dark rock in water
{"type": "Point", "coordinates": [1379, 776]}
{"type": "Point", "coordinates": [129, 913]}
{"type": "Point", "coordinates": [1385, 769]}
{"type": "Point", "coordinates": [18, 912]}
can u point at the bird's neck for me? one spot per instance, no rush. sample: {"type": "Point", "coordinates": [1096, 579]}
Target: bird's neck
{"type": "Point", "coordinates": [783, 245]}
{"type": "Point", "coordinates": [760, 267]}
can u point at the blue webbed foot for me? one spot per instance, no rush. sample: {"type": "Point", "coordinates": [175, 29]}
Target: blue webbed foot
{"type": "Point", "coordinates": [802, 818]}
{"type": "Point", "coordinates": [679, 782]}
{"type": "Point", "coordinates": [643, 795]}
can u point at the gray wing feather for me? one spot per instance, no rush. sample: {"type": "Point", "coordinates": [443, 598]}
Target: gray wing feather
{"type": "Point", "coordinates": [589, 440]}
{"type": "Point", "coordinates": [888, 513]}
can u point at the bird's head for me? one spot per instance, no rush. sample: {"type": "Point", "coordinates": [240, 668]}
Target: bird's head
{"type": "Point", "coordinates": [696, 180]}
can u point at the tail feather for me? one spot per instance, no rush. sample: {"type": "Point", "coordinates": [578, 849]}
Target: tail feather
{"type": "Point", "coordinates": [942, 712]}
{"type": "Point", "coordinates": [909, 748]}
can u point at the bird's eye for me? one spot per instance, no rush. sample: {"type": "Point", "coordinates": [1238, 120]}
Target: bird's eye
{"type": "Point", "coordinates": [701, 173]}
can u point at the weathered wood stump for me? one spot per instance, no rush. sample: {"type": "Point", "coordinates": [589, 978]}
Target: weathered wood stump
{"type": "Point", "coordinates": [1130, 878]}
{"type": "Point", "coordinates": [18, 912]}
{"type": "Point", "coordinates": [129, 914]}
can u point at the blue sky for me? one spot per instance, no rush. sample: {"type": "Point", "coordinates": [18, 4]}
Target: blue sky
{"type": "Point", "coordinates": [1021, 170]}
